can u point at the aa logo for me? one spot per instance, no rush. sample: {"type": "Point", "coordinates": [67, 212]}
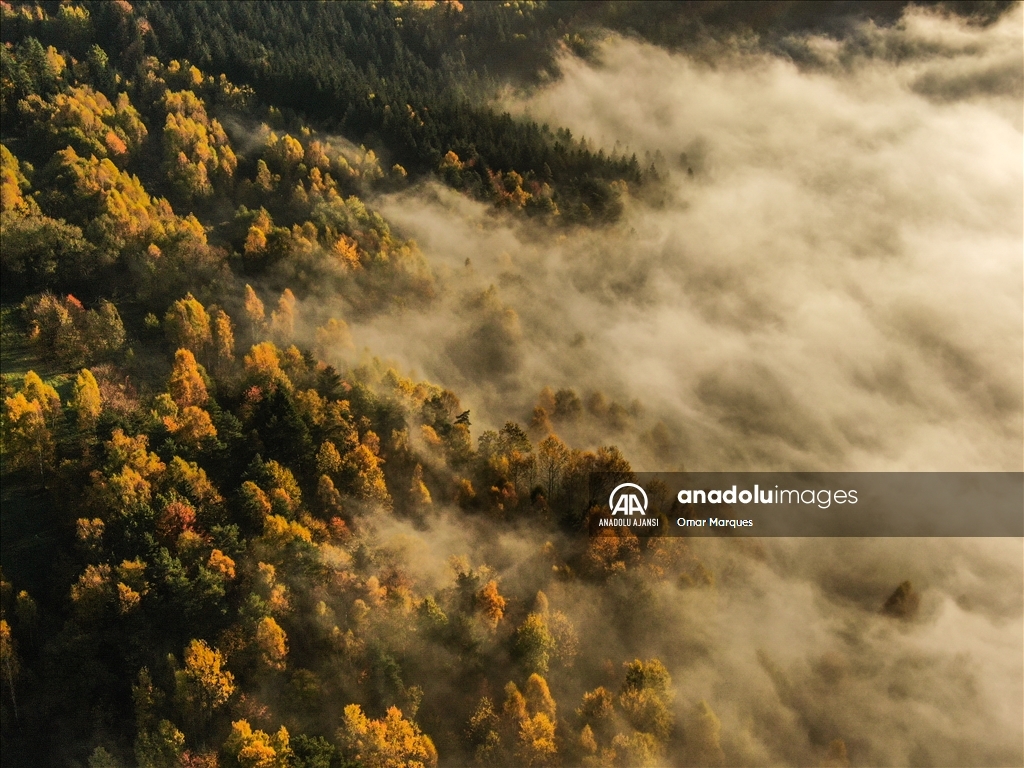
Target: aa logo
{"type": "Point", "coordinates": [627, 502]}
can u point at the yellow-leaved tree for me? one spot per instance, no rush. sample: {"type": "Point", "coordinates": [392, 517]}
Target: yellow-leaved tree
{"type": "Point", "coordinates": [391, 742]}
{"type": "Point", "coordinates": [87, 402]}
{"type": "Point", "coordinates": [187, 325]}
{"type": "Point", "coordinates": [203, 686]}
{"type": "Point", "coordinates": [257, 749]}
{"type": "Point", "coordinates": [255, 313]}
{"type": "Point", "coordinates": [27, 439]}
{"type": "Point", "coordinates": [272, 642]}
{"type": "Point", "coordinates": [186, 384]}
{"type": "Point", "coordinates": [13, 185]}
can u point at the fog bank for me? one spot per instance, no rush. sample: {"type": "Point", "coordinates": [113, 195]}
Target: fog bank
{"type": "Point", "coordinates": [829, 277]}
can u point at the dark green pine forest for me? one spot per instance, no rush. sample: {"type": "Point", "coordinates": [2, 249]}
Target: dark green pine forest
{"type": "Point", "coordinates": [192, 490]}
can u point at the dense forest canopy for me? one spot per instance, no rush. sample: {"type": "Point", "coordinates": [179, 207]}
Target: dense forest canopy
{"type": "Point", "coordinates": [198, 493]}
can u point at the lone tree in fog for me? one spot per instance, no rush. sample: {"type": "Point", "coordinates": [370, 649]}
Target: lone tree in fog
{"type": "Point", "coordinates": [903, 602]}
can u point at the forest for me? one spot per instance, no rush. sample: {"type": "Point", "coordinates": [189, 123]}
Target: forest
{"type": "Point", "coordinates": [217, 512]}
{"type": "Point", "coordinates": [191, 575]}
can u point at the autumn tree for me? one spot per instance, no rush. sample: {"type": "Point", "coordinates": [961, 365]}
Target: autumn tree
{"type": "Point", "coordinates": [94, 593]}
{"type": "Point", "coordinates": [72, 334]}
{"type": "Point", "coordinates": [328, 460]}
{"type": "Point", "coordinates": [87, 402]}
{"type": "Point", "coordinates": [272, 643]}
{"type": "Point", "coordinates": [247, 748]}
{"type": "Point", "coordinates": [86, 119]}
{"type": "Point", "coordinates": [282, 319]}
{"type": "Point", "coordinates": [126, 482]}
{"type": "Point", "coordinates": [197, 151]}
{"type": "Point", "coordinates": [159, 747]}
{"type": "Point", "coordinates": [35, 389]}
{"type": "Point", "coordinates": [27, 439]}
{"type": "Point", "coordinates": [113, 207]}
{"type": "Point", "coordinates": [491, 603]}
{"type": "Point", "coordinates": [391, 742]}
{"type": "Point", "coordinates": [221, 563]}
{"type": "Point", "coordinates": [533, 643]}
{"type": "Point", "coordinates": [255, 313]}
{"type": "Point", "coordinates": [265, 181]}
{"type": "Point", "coordinates": [646, 696]}
{"type": "Point", "coordinates": [202, 686]}
{"type": "Point", "coordinates": [611, 551]}
{"type": "Point", "coordinates": [10, 667]}
{"type": "Point", "coordinates": [223, 340]}
{"type": "Point", "coordinates": [13, 186]}
{"type": "Point", "coordinates": [187, 325]}
{"type": "Point", "coordinates": [329, 497]}
{"type": "Point", "coordinates": [256, 243]}
{"type": "Point", "coordinates": [703, 736]}
{"type": "Point", "coordinates": [186, 384]}
{"type": "Point", "coordinates": [191, 481]}
{"type": "Point", "coordinates": [596, 711]}
{"type": "Point", "coordinates": [366, 465]}
{"type": "Point", "coordinates": [523, 732]}
{"type": "Point", "coordinates": [419, 494]}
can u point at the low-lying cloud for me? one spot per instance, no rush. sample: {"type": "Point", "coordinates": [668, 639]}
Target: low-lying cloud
{"type": "Point", "coordinates": [829, 277]}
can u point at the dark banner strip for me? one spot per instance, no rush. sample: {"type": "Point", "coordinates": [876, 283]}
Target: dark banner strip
{"type": "Point", "coordinates": [808, 504]}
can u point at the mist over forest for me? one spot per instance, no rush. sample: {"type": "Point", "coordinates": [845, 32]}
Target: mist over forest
{"type": "Point", "coordinates": [317, 318]}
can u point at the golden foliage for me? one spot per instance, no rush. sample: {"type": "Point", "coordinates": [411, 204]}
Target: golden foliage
{"type": "Point", "coordinates": [223, 338]}
{"type": "Point", "coordinates": [418, 492]}
{"type": "Point", "coordinates": [187, 325]}
{"type": "Point", "coordinates": [221, 563]}
{"type": "Point", "coordinates": [87, 402]}
{"type": "Point", "coordinates": [328, 460]}
{"type": "Point", "coordinates": [538, 696]}
{"type": "Point", "coordinates": [86, 120]}
{"type": "Point", "coordinates": [332, 337]}
{"type": "Point", "coordinates": [13, 185]}
{"type": "Point", "coordinates": [263, 365]}
{"type": "Point", "coordinates": [36, 390]}
{"type": "Point", "coordinates": [203, 686]}
{"type": "Point", "coordinates": [536, 742]}
{"type": "Point", "coordinates": [282, 320]}
{"type": "Point", "coordinates": [346, 251]}
{"type": "Point", "coordinates": [392, 742]}
{"type": "Point", "coordinates": [256, 749]}
{"type": "Point", "coordinates": [125, 209]}
{"type": "Point", "coordinates": [186, 384]}
{"type": "Point", "coordinates": [365, 462]}
{"type": "Point", "coordinates": [491, 603]}
{"type": "Point", "coordinates": [189, 479]}
{"type": "Point", "coordinates": [272, 643]}
{"type": "Point", "coordinates": [124, 451]}
{"type": "Point", "coordinates": [26, 438]}
{"type": "Point", "coordinates": [254, 311]}
{"type": "Point", "coordinates": [93, 591]}
{"type": "Point", "coordinates": [192, 426]}
{"type": "Point", "coordinates": [197, 149]}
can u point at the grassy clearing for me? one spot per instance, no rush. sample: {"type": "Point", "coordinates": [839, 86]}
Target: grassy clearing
{"type": "Point", "coordinates": [28, 529]}
{"type": "Point", "coordinates": [17, 357]}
